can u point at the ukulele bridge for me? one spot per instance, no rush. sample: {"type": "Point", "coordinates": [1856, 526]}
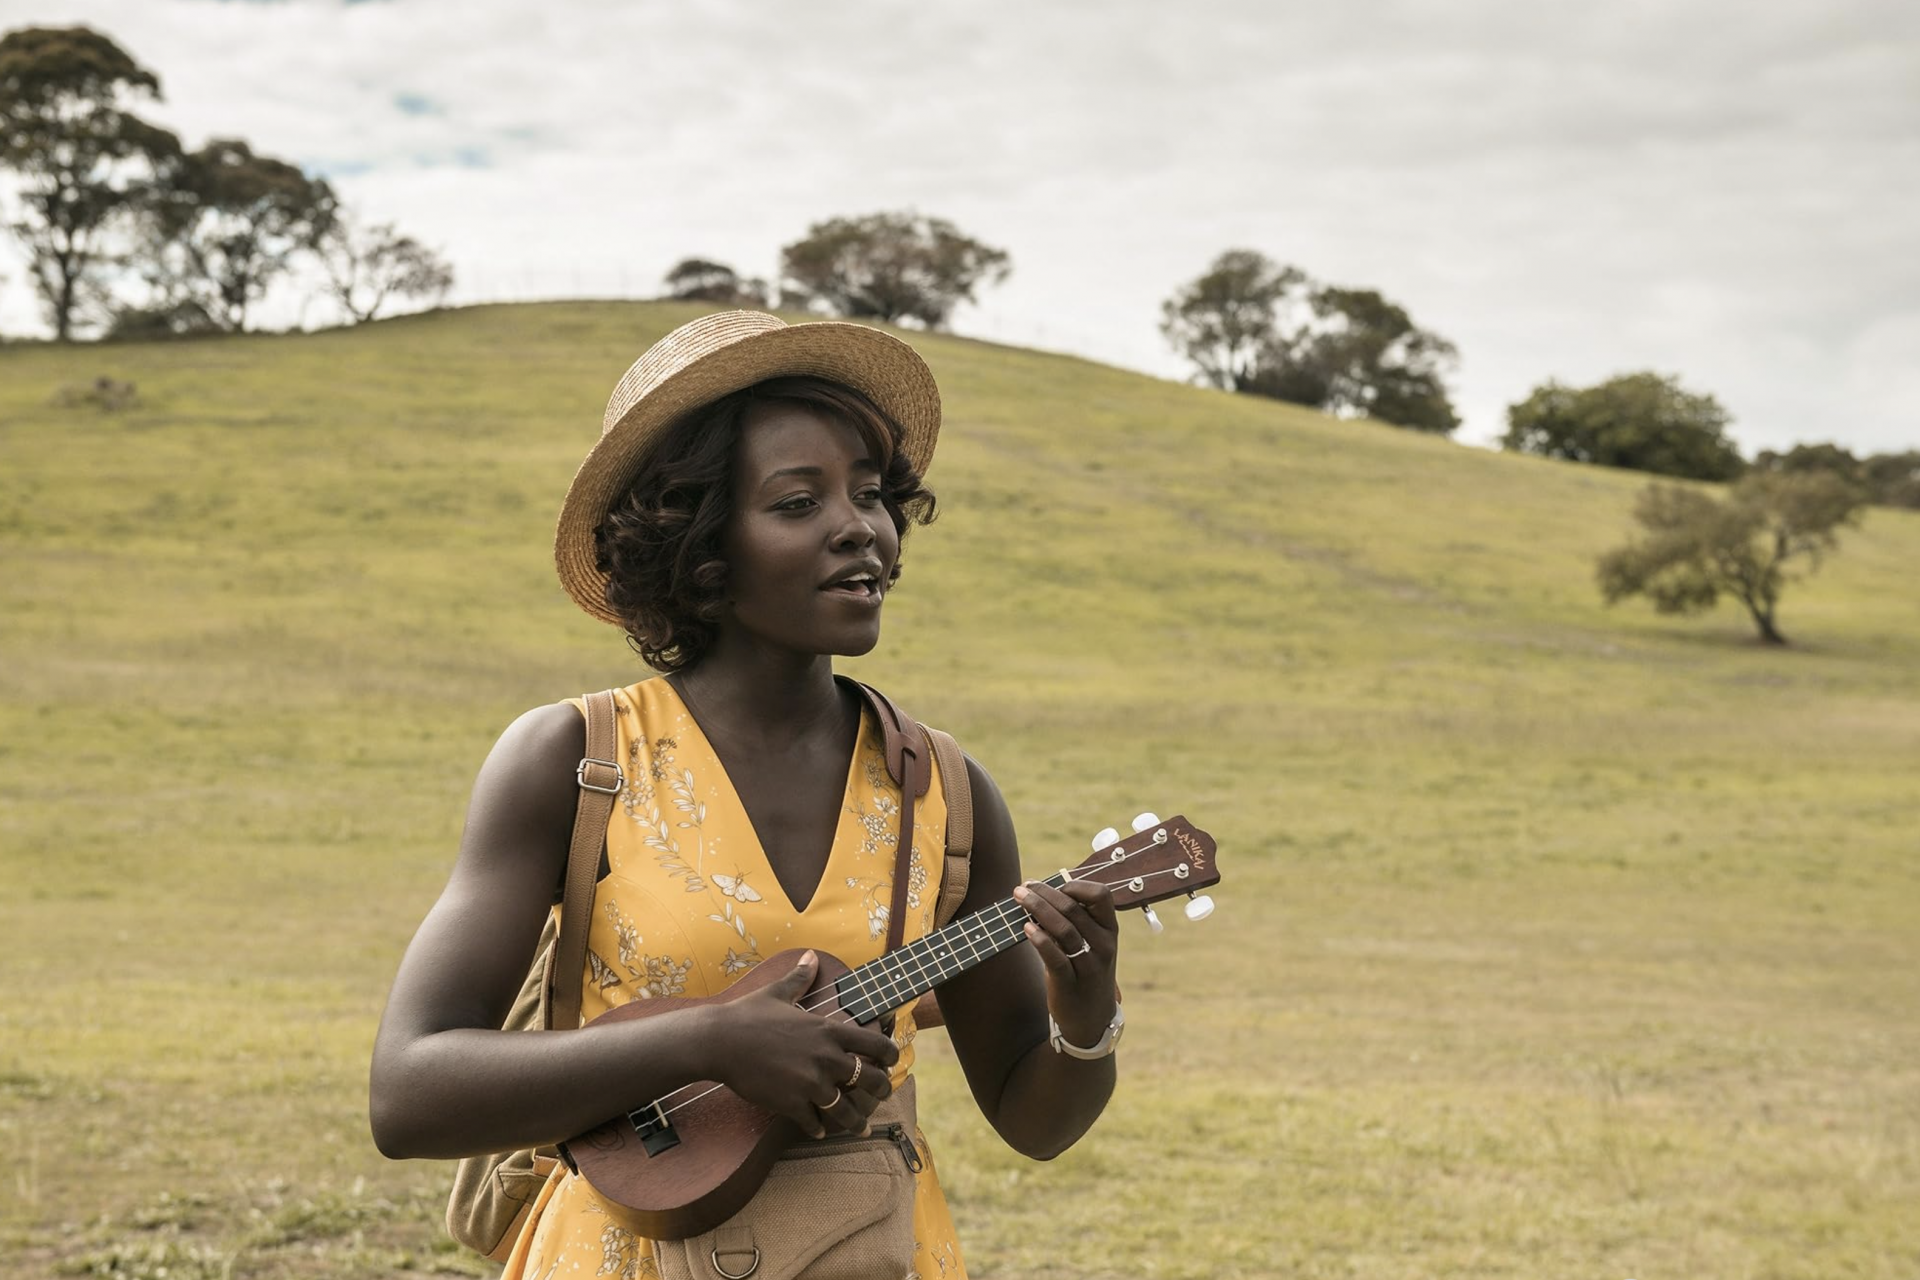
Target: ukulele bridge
{"type": "Point", "coordinates": [655, 1130]}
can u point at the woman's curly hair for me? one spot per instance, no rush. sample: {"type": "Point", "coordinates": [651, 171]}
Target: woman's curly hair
{"type": "Point", "coordinates": [660, 544]}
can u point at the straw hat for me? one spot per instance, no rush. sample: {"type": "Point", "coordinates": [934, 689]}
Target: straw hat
{"type": "Point", "coordinates": [704, 360]}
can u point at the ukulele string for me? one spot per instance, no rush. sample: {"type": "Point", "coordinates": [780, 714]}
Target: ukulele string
{"type": "Point", "coordinates": [831, 1008]}
{"type": "Point", "coordinates": [1004, 912]}
{"type": "Point", "coordinates": [1002, 915]}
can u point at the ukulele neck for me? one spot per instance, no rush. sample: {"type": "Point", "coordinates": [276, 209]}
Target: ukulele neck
{"type": "Point", "coordinates": [907, 973]}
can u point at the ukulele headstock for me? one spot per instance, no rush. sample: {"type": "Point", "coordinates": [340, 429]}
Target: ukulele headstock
{"type": "Point", "coordinates": [1160, 859]}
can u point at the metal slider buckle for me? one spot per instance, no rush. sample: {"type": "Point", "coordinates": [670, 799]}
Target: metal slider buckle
{"type": "Point", "coordinates": [580, 776]}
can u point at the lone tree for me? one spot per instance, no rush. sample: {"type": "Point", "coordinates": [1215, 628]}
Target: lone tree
{"type": "Point", "coordinates": [1640, 421]}
{"type": "Point", "coordinates": [86, 165]}
{"type": "Point", "coordinates": [1695, 547]}
{"type": "Point", "coordinates": [892, 266]}
{"type": "Point", "coordinates": [367, 266]}
{"type": "Point", "coordinates": [230, 223]}
{"type": "Point", "coordinates": [1253, 325]}
{"type": "Point", "coordinates": [698, 280]}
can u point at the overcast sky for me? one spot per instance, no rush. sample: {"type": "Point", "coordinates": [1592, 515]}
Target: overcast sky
{"type": "Point", "coordinates": [1726, 190]}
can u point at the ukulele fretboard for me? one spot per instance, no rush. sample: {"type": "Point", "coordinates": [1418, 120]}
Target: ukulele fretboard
{"type": "Point", "coordinates": [907, 973]}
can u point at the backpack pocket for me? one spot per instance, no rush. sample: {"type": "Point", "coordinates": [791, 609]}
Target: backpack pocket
{"type": "Point", "coordinates": [837, 1209]}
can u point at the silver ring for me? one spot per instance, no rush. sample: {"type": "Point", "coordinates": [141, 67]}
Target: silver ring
{"type": "Point", "coordinates": [859, 1063]}
{"type": "Point", "coordinates": [837, 1095]}
{"type": "Point", "coordinates": [736, 1275]}
{"type": "Point", "coordinates": [1085, 947]}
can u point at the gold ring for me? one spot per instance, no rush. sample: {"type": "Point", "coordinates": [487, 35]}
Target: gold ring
{"type": "Point", "coordinates": [858, 1064]}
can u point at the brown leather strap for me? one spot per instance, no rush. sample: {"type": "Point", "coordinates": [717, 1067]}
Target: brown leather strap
{"type": "Point", "coordinates": [907, 763]}
{"type": "Point", "coordinates": [901, 742]}
{"type": "Point", "coordinates": [957, 786]}
{"type": "Point", "coordinates": [902, 872]}
{"type": "Point", "coordinates": [600, 779]}
{"type": "Point", "coordinates": [958, 789]}
{"type": "Point", "coordinates": [903, 746]}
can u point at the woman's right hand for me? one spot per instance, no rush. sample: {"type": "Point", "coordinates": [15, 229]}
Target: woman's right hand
{"type": "Point", "coordinates": [824, 1074]}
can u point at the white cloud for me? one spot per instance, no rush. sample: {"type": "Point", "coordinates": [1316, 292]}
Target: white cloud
{"type": "Point", "coordinates": [1725, 191]}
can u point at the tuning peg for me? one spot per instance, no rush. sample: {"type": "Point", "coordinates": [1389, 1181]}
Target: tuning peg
{"type": "Point", "coordinates": [1145, 820]}
{"type": "Point", "coordinates": [1107, 837]}
{"type": "Point", "coordinates": [1153, 921]}
{"type": "Point", "coordinates": [1199, 906]}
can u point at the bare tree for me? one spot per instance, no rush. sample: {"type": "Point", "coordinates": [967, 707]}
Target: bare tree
{"type": "Point", "coordinates": [367, 266]}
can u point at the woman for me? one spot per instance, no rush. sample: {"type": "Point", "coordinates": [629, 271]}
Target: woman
{"type": "Point", "coordinates": [741, 518]}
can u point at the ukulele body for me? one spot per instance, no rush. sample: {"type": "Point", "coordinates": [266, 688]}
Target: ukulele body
{"type": "Point", "coordinates": [721, 1145]}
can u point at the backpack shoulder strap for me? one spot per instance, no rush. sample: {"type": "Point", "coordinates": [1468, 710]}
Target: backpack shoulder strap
{"type": "Point", "coordinates": [959, 796]}
{"type": "Point", "coordinates": [907, 758]}
{"type": "Point", "coordinates": [901, 742]}
{"type": "Point", "coordinates": [600, 779]}
{"type": "Point", "coordinates": [912, 771]}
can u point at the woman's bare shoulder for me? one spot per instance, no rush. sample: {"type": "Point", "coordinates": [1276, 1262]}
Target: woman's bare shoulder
{"type": "Point", "coordinates": [527, 786]}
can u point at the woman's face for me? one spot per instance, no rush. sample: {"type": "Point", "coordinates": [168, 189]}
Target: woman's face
{"type": "Point", "coordinates": [810, 544]}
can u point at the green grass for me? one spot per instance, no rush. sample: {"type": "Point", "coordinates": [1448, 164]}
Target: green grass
{"type": "Point", "coordinates": [1554, 940]}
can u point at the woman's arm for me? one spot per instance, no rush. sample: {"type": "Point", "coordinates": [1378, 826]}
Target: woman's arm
{"type": "Point", "coordinates": [1038, 1100]}
{"type": "Point", "coordinates": [446, 1082]}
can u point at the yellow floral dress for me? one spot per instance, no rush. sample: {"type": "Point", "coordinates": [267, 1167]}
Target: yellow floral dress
{"type": "Point", "coordinates": [690, 902]}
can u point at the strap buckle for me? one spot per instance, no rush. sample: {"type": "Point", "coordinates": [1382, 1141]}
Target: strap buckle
{"type": "Point", "coordinates": [737, 1275]}
{"type": "Point", "coordinates": [580, 776]}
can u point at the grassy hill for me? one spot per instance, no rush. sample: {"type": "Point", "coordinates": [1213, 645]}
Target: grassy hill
{"type": "Point", "coordinates": [1554, 940]}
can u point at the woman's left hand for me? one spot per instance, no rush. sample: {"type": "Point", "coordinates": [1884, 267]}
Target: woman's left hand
{"type": "Point", "coordinates": [1077, 938]}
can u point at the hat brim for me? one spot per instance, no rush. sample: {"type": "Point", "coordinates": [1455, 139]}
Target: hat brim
{"type": "Point", "coordinates": [880, 366]}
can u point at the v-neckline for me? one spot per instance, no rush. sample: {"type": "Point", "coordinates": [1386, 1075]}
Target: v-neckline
{"type": "Point", "coordinates": [746, 815]}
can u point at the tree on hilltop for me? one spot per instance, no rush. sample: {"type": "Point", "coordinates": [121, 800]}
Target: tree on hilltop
{"type": "Point", "coordinates": [892, 266]}
{"type": "Point", "coordinates": [1889, 479]}
{"type": "Point", "coordinates": [1224, 320]}
{"type": "Point", "coordinates": [1801, 458]}
{"type": "Point", "coordinates": [1696, 547]}
{"type": "Point", "coordinates": [1894, 478]}
{"type": "Point", "coordinates": [1253, 325]}
{"type": "Point", "coordinates": [86, 165]}
{"type": "Point", "coordinates": [1640, 421]}
{"type": "Point", "coordinates": [699, 280]}
{"type": "Point", "coordinates": [368, 265]}
{"type": "Point", "coordinates": [229, 224]}
{"type": "Point", "coordinates": [1361, 354]}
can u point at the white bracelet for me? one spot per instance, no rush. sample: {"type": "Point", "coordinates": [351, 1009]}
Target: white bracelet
{"type": "Point", "coordinates": [1093, 1051]}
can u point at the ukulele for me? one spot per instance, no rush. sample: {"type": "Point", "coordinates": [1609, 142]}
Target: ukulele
{"type": "Point", "coordinates": [684, 1163]}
